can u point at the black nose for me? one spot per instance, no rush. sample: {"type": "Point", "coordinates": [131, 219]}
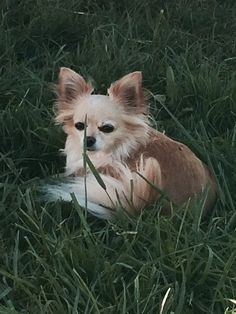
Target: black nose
{"type": "Point", "coordinates": [90, 141]}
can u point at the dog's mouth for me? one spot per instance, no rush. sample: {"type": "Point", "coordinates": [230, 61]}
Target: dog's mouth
{"type": "Point", "coordinates": [91, 149]}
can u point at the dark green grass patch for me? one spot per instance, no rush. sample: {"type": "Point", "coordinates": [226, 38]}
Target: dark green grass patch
{"type": "Point", "coordinates": [58, 259]}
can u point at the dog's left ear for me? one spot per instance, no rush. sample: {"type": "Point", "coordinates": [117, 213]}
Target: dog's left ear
{"type": "Point", "coordinates": [128, 92]}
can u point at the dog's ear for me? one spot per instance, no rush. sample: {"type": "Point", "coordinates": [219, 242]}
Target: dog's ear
{"type": "Point", "coordinates": [71, 85]}
{"type": "Point", "coordinates": [128, 92]}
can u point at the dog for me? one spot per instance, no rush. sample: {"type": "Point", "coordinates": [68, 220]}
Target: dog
{"type": "Point", "coordinates": [132, 163]}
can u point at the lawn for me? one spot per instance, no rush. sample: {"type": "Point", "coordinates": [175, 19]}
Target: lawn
{"type": "Point", "coordinates": [58, 259]}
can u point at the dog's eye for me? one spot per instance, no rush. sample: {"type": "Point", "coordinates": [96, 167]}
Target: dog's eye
{"type": "Point", "coordinates": [79, 126]}
{"type": "Point", "coordinates": [106, 128]}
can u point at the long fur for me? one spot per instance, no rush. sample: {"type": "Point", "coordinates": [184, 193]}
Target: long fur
{"type": "Point", "coordinates": [131, 190]}
{"type": "Point", "coordinates": [131, 160]}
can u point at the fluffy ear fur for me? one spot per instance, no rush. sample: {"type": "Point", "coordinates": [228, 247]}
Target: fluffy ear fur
{"type": "Point", "coordinates": [128, 92]}
{"type": "Point", "coordinates": [71, 85]}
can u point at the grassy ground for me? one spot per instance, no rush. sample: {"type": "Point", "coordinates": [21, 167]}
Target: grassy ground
{"type": "Point", "coordinates": [56, 259]}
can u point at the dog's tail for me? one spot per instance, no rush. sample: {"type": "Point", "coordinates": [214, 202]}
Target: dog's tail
{"type": "Point", "coordinates": [99, 200]}
{"type": "Point", "coordinates": [102, 197]}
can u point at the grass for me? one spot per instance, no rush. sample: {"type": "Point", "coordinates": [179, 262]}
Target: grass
{"type": "Point", "coordinates": [57, 259]}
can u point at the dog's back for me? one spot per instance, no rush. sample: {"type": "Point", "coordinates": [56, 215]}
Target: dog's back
{"type": "Point", "coordinates": [183, 175]}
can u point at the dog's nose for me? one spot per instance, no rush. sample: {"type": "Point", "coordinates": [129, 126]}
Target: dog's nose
{"type": "Point", "coordinates": [90, 141]}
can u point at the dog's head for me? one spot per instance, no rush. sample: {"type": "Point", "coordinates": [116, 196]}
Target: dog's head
{"type": "Point", "coordinates": [113, 124]}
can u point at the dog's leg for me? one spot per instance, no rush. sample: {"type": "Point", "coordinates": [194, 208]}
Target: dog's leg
{"type": "Point", "coordinates": [147, 182]}
{"type": "Point", "coordinates": [131, 191]}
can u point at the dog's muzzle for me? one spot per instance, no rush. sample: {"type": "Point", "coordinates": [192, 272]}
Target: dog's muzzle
{"type": "Point", "coordinates": [90, 142]}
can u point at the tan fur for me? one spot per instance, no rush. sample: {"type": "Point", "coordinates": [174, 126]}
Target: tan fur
{"type": "Point", "coordinates": [134, 158]}
{"type": "Point", "coordinates": [183, 175]}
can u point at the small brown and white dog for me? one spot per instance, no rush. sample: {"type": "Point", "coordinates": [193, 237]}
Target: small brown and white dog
{"type": "Point", "coordinates": [131, 157]}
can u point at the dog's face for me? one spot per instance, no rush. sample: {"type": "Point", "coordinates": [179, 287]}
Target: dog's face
{"type": "Point", "coordinates": [99, 122]}
{"type": "Point", "coordinates": [102, 120]}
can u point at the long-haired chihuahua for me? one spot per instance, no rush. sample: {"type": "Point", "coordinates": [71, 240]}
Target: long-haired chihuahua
{"type": "Point", "coordinates": [133, 164]}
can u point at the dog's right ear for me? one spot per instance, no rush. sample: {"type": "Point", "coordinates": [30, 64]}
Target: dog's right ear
{"type": "Point", "coordinates": [71, 85]}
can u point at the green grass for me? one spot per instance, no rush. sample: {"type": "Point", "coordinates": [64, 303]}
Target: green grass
{"type": "Point", "coordinates": [57, 259]}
